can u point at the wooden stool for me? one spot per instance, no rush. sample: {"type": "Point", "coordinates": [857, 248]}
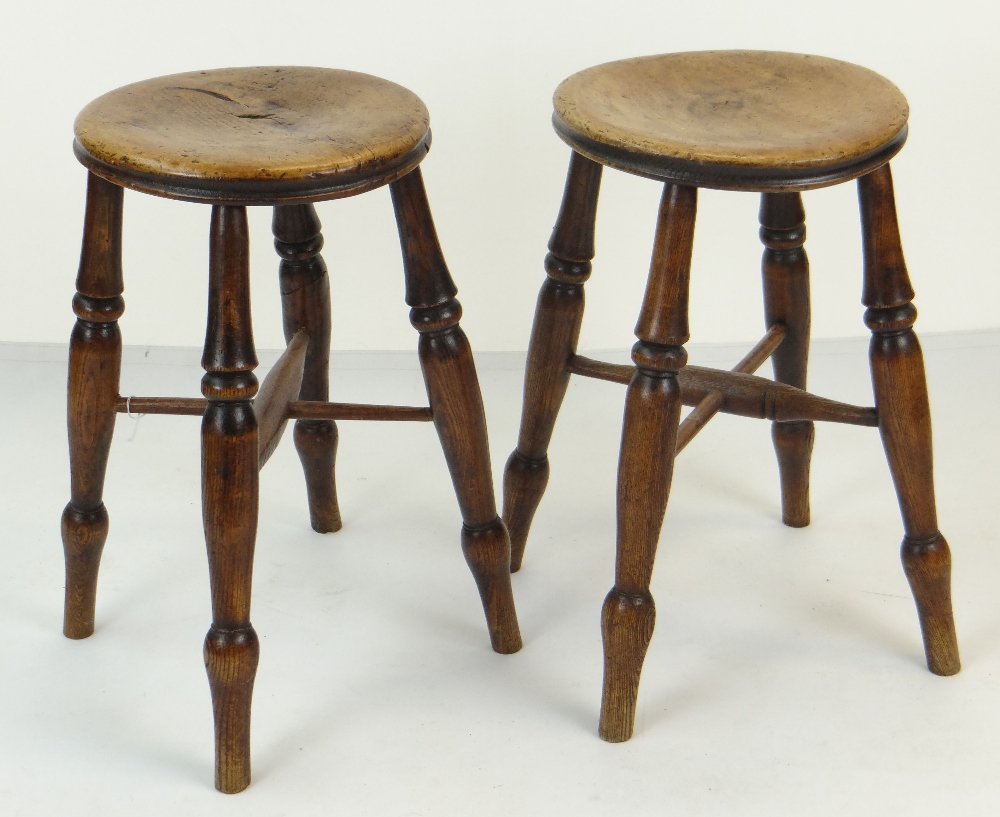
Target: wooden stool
{"type": "Point", "coordinates": [773, 123]}
{"type": "Point", "coordinates": [284, 137]}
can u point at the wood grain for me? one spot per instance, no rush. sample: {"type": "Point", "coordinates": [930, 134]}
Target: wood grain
{"type": "Point", "coordinates": [305, 307]}
{"type": "Point", "coordinates": [453, 391]}
{"type": "Point", "coordinates": [276, 392]}
{"type": "Point", "coordinates": [754, 120]}
{"type": "Point", "coordinates": [554, 335]}
{"type": "Point", "coordinates": [904, 418]}
{"type": "Point", "coordinates": [254, 135]}
{"type": "Point", "coordinates": [785, 274]}
{"type": "Point", "coordinates": [230, 493]}
{"type": "Point", "coordinates": [646, 460]}
{"type": "Point", "coordinates": [94, 369]}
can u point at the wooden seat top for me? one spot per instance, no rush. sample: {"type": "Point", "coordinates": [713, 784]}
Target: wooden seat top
{"type": "Point", "coordinates": [737, 120]}
{"type": "Point", "coordinates": [254, 135]}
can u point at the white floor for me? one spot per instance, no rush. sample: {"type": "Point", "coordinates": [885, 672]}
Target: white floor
{"type": "Point", "coordinates": [785, 676]}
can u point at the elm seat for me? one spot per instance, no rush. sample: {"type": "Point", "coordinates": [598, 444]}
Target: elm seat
{"type": "Point", "coordinates": [754, 120]}
{"type": "Point", "coordinates": [242, 134]}
{"type": "Point", "coordinates": [284, 138]}
{"type": "Point", "coordinates": [777, 124]}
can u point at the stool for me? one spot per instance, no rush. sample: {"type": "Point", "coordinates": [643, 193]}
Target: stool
{"type": "Point", "coordinates": [772, 123]}
{"type": "Point", "coordinates": [284, 137]}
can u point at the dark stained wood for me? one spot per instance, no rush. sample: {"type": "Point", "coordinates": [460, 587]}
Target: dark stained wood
{"type": "Point", "coordinates": [554, 335]}
{"type": "Point", "coordinates": [734, 120]}
{"type": "Point", "coordinates": [276, 392]}
{"type": "Point", "coordinates": [305, 306]}
{"type": "Point", "coordinates": [296, 409]}
{"type": "Point", "coordinates": [230, 488]}
{"type": "Point", "coordinates": [453, 390]}
{"type": "Point", "coordinates": [745, 394]}
{"type": "Point", "coordinates": [785, 274]}
{"type": "Point", "coordinates": [715, 400]}
{"type": "Point", "coordinates": [357, 411]}
{"type": "Point", "coordinates": [286, 137]}
{"type": "Point", "coordinates": [904, 418]}
{"type": "Point", "coordinates": [775, 124]}
{"type": "Point", "coordinates": [646, 462]}
{"type": "Point", "coordinates": [94, 370]}
{"type": "Point", "coordinates": [254, 135]}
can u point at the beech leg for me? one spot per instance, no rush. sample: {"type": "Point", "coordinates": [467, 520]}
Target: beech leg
{"type": "Point", "coordinates": [453, 391]}
{"type": "Point", "coordinates": [785, 271]}
{"type": "Point", "coordinates": [554, 335]}
{"type": "Point", "coordinates": [305, 304]}
{"type": "Point", "coordinates": [94, 369]}
{"type": "Point", "coordinates": [904, 418]}
{"type": "Point", "coordinates": [229, 470]}
{"type": "Point", "coordinates": [646, 461]}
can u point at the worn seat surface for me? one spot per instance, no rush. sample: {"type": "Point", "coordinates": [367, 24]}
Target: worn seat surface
{"type": "Point", "coordinates": [250, 135]}
{"type": "Point", "coordinates": [758, 120]}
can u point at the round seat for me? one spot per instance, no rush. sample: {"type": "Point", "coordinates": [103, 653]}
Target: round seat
{"type": "Point", "coordinates": [734, 120]}
{"type": "Point", "coordinates": [254, 135]}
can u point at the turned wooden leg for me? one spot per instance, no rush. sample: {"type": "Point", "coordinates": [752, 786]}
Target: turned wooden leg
{"type": "Point", "coordinates": [453, 391]}
{"type": "Point", "coordinates": [305, 304]}
{"type": "Point", "coordinates": [785, 271]}
{"type": "Point", "coordinates": [230, 493]}
{"type": "Point", "coordinates": [554, 335]}
{"type": "Point", "coordinates": [646, 461]}
{"type": "Point", "coordinates": [904, 417]}
{"type": "Point", "coordinates": [95, 356]}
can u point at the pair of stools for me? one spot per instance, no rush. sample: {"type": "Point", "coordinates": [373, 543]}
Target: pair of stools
{"type": "Point", "coordinates": [774, 123]}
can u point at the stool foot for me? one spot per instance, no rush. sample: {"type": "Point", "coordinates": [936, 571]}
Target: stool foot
{"type": "Point", "coordinates": [904, 415]}
{"type": "Point", "coordinates": [84, 534]}
{"type": "Point", "coordinates": [95, 358]}
{"type": "Point", "coordinates": [316, 442]}
{"type": "Point", "coordinates": [305, 306]}
{"type": "Point", "coordinates": [793, 445]}
{"type": "Point", "coordinates": [627, 622]}
{"type": "Point", "coordinates": [486, 552]}
{"type": "Point", "coordinates": [928, 570]}
{"type": "Point", "coordinates": [524, 483]}
{"type": "Point", "coordinates": [231, 658]}
{"type": "Point", "coordinates": [554, 335]}
{"type": "Point", "coordinates": [457, 403]}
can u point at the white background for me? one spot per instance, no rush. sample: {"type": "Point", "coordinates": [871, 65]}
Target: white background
{"type": "Point", "coordinates": [495, 173]}
{"type": "Point", "coordinates": [786, 673]}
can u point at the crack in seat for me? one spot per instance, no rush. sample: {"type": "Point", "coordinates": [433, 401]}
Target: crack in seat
{"type": "Point", "coordinates": [734, 120]}
{"type": "Point", "coordinates": [244, 135]}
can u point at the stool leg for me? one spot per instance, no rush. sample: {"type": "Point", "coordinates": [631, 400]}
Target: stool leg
{"type": "Point", "coordinates": [646, 461]}
{"type": "Point", "coordinates": [554, 335]}
{"type": "Point", "coordinates": [785, 270]}
{"type": "Point", "coordinates": [95, 357]}
{"type": "Point", "coordinates": [305, 305]}
{"type": "Point", "coordinates": [229, 489]}
{"type": "Point", "coordinates": [453, 391]}
{"type": "Point", "coordinates": [904, 417]}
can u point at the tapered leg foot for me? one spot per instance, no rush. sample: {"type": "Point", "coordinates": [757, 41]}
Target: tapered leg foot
{"type": "Point", "coordinates": [793, 444]}
{"type": "Point", "coordinates": [928, 570]}
{"type": "Point", "coordinates": [554, 335]}
{"type": "Point", "coordinates": [524, 483]}
{"type": "Point", "coordinates": [627, 622]}
{"type": "Point", "coordinates": [904, 416]}
{"type": "Point", "coordinates": [305, 306]}
{"type": "Point", "coordinates": [316, 442]}
{"type": "Point", "coordinates": [457, 403]}
{"type": "Point", "coordinates": [83, 535]}
{"type": "Point", "coordinates": [95, 352]}
{"type": "Point", "coordinates": [486, 552]}
{"type": "Point", "coordinates": [231, 658]}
